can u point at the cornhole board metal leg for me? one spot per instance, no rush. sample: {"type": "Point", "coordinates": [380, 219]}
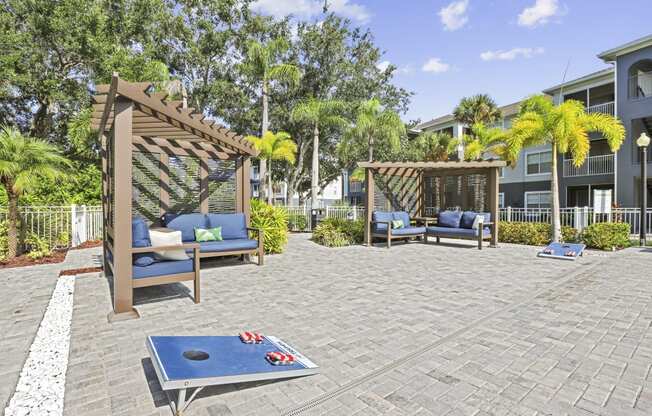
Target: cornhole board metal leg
{"type": "Point", "coordinates": [181, 404]}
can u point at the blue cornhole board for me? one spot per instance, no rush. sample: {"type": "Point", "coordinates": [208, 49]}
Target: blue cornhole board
{"type": "Point", "coordinates": [559, 250]}
{"type": "Point", "coordinates": [183, 362]}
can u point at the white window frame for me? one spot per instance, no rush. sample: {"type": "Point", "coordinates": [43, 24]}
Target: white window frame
{"type": "Point", "coordinates": [528, 193]}
{"type": "Point", "coordinates": [527, 154]}
{"type": "Point", "coordinates": [501, 199]}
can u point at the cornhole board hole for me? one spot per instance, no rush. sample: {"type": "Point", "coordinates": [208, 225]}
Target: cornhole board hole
{"type": "Point", "coordinates": [562, 251]}
{"type": "Point", "coordinates": [187, 362]}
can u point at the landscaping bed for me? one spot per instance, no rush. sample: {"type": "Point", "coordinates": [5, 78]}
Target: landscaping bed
{"type": "Point", "coordinates": [57, 256]}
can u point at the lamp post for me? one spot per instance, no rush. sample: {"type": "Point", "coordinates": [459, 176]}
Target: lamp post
{"type": "Point", "coordinates": [642, 142]}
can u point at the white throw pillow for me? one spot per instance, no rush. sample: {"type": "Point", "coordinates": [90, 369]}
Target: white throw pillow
{"type": "Point", "coordinates": [477, 222]}
{"type": "Point", "coordinates": [165, 238]}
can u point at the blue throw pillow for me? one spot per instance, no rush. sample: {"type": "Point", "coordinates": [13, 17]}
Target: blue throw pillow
{"type": "Point", "coordinates": [467, 219]}
{"type": "Point", "coordinates": [450, 219]}
{"type": "Point", "coordinates": [381, 216]}
{"type": "Point", "coordinates": [144, 259]}
{"type": "Point", "coordinates": [139, 233]}
{"type": "Point", "coordinates": [403, 216]}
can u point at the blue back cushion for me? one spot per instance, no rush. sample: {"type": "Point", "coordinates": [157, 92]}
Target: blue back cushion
{"type": "Point", "coordinates": [381, 216]}
{"type": "Point", "coordinates": [186, 223]}
{"type": "Point", "coordinates": [450, 219]}
{"type": "Point", "coordinates": [233, 225]}
{"type": "Point", "coordinates": [139, 233]}
{"type": "Point", "coordinates": [469, 216]}
{"type": "Point", "coordinates": [403, 216]}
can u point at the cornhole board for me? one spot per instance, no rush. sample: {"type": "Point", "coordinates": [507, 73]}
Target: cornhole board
{"type": "Point", "coordinates": [186, 362]}
{"type": "Point", "coordinates": [558, 250]}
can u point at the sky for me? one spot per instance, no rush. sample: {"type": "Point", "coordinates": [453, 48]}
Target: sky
{"type": "Point", "coordinates": [448, 49]}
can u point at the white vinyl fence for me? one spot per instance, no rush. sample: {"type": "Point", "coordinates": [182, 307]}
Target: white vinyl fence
{"type": "Point", "coordinates": [299, 216]}
{"type": "Point", "coordinates": [60, 226]}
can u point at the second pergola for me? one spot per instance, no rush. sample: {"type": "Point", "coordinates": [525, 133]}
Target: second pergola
{"type": "Point", "coordinates": [423, 189]}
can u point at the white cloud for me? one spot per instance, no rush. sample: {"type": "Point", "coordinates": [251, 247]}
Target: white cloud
{"type": "Point", "coordinates": [310, 8]}
{"type": "Point", "coordinates": [511, 54]}
{"type": "Point", "coordinates": [435, 65]}
{"type": "Point", "coordinates": [382, 66]}
{"type": "Point", "coordinates": [539, 13]}
{"type": "Point", "coordinates": [454, 15]}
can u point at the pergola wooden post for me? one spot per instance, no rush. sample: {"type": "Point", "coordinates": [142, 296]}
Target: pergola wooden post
{"type": "Point", "coordinates": [420, 171]}
{"type": "Point", "coordinates": [133, 118]}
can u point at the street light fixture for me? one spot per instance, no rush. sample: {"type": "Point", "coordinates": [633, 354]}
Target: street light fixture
{"type": "Point", "coordinates": [643, 142]}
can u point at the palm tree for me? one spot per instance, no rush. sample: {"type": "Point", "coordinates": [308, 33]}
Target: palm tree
{"type": "Point", "coordinates": [262, 63]}
{"type": "Point", "coordinates": [24, 162]}
{"type": "Point", "coordinates": [479, 108]}
{"type": "Point", "coordinates": [279, 146]}
{"type": "Point", "coordinates": [374, 124]}
{"type": "Point", "coordinates": [565, 128]}
{"type": "Point", "coordinates": [482, 142]}
{"type": "Point", "coordinates": [429, 146]}
{"type": "Point", "coordinates": [318, 114]}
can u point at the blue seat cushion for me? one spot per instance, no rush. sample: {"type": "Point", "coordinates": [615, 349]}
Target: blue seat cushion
{"type": "Point", "coordinates": [186, 223]}
{"type": "Point", "coordinates": [403, 216]}
{"type": "Point", "coordinates": [450, 219]}
{"type": "Point", "coordinates": [234, 226]}
{"type": "Point", "coordinates": [469, 216]}
{"type": "Point", "coordinates": [163, 268]}
{"type": "Point", "coordinates": [455, 232]}
{"type": "Point", "coordinates": [382, 216]}
{"type": "Point", "coordinates": [409, 231]}
{"type": "Point", "coordinates": [228, 245]}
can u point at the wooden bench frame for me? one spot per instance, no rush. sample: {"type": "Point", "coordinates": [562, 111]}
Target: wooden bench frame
{"type": "Point", "coordinates": [259, 251]}
{"type": "Point", "coordinates": [479, 238]}
{"type": "Point", "coordinates": [388, 235]}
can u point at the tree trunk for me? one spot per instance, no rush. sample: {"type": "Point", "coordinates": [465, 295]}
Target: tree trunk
{"type": "Point", "coordinates": [263, 162]}
{"type": "Point", "coordinates": [554, 190]}
{"type": "Point", "coordinates": [12, 224]}
{"type": "Point", "coordinates": [270, 189]}
{"type": "Point", "coordinates": [314, 185]}
{"type": "Point", "coordinates": [371, 148]}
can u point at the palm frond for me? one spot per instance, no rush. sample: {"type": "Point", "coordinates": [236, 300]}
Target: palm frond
{"type": "Point", "coordinates": [285, 73]}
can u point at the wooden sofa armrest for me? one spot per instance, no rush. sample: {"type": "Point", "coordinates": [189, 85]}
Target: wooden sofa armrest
{"type": "Point", "coordinates": [259, 232]}
{"type": "Point", "coordinates": [150, 249]}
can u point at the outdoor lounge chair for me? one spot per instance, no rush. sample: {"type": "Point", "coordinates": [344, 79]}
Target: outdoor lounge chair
{"type": "Point", "coordinates": [235, 234]}
{"type": "Point", "coordinates": [147, 270]}
{"type": "Point", "coordinates": [458, 224]}
{"type": "Point", "coordinates": [381, 226]}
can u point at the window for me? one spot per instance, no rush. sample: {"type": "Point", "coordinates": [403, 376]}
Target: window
{"type": "Point", "coordinates": [501, 172]}
{"type": "Point", "coordinates": [501, 200]}
{"type": "Point", "coordinates": [640, 79]}
{"type": "Point", "coordinates": [538, 163]}
{"type": "Point", "coordinates": [537, 199]}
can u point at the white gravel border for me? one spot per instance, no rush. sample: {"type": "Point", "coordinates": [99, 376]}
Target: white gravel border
{"type": "Point", "coordinates": [42, 381]}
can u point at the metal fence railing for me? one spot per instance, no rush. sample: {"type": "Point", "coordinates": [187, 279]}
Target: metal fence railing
{"type": "Point", "coordinates": [60, 226]}
{"type": "Point", "coordinates": [300, 216]}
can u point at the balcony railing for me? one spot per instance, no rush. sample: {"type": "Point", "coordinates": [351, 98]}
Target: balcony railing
{"type": "Point", "coordinates": [593, 165]}
{"type": "Point", "coordinates": [640, 85]}
{"type": "Point", "coordinates": [605, 108]}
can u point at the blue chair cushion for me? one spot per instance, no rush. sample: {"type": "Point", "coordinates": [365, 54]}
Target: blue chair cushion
{"type": "Point", "coordinates": [455, 232]}
{"type": "Point", "coordinates": [186, 223]}
{"type": "Point", "coordinates": [234, 226]}
{"type": "Point", "coordinates": [163, 268]}
{"type": "Point", "coordinates": [382, 216]}
{"type": "Point", "coordinates": [166, 218]}
{"type": "Point", "coordinates": [409, 231]}
{"type": "Point", "coordinates": [450, 219]}
{"type": "Point", "coordinates": [139, 233]}
{"type": "Point", "coordinates": [469, 216]}
{"type": "Point", "coordinates": [403, 216]}
{"type": "Point", "coordinates": [228, 245]}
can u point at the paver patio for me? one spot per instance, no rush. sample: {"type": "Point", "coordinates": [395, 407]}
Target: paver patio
{"type": "Point", "coordinates": [427, 330]}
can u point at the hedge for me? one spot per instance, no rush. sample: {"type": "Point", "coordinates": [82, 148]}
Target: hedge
{"type": "Point", "coordinates": [607, 235]}
{"type": "Point", "coordinates": [336, 232]}
{"type": "Point", "coordinates": [532, 233]}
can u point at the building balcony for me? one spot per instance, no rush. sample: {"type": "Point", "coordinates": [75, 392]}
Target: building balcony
{"type": "Point", "coordinates": [605, 108]}
{"type": "Point", "coordinates": [593, 165]}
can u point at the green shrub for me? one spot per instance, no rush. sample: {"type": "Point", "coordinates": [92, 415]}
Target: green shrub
{"type": "Point", "coordinates": [606, 235]}
{"type": "Point", "coordinates": [4, 246]}
{"type": "Point", "coordinates": [532, 233]}
{"type": "Point", "coordinates": [297, 222]}
{"type": "Point", "coordinates": [335, 232]}
{"type": "Point", "coordinates": [37, 247]}
{"type": "Point", "coordinates": [274, 222]}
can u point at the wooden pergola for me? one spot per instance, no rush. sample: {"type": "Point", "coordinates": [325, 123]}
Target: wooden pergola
{"type": "Point", "coordinates": [159, 157]}
{"type": "Point", "coordinates": [425, 188]}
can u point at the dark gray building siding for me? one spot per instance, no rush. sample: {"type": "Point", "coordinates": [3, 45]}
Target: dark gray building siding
{"type": "Point", "coordinates": [515, 192]}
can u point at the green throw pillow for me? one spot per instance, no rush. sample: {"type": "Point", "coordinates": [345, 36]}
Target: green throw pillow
{"type": "Point", "coordinates": [211, 234]}
{"type": "Point", "coordinates": [397, 224]}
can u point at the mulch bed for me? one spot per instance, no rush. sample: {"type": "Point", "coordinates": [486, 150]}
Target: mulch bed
{"type": "Point", "coordinates": [57, 256]}
{"type": "Point", "coordinates": [88, 244]}
{"type": "Point", "coordinates": [72, 272]}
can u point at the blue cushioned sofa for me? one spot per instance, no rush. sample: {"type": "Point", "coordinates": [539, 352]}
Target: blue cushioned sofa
{"type": "Point", "coordinates": [458, 224]}
{"type": "Point", "coordinates": [381, 226]}
{"type": "Point", "coordinates": [147, 270]}
{"type": "Point", "coordinates": [235, 234]}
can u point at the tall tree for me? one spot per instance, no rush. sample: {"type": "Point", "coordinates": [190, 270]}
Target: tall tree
{"type": "Point", "coordinates": [279, 146]}
{"type": "Point", "coordinates": [428, 146]}
{"type": "Point", "coordinates": [318, 114]}
{"type": "Point", "coordinates": [264, 63]}
{"type": "Point", "coordinates": [483, 142]}
{"type": "Point", "coordinates": [24, 162]}
{"type": "Point", "coordinates": [566, 129]}
{"type": "Point", "coordinates": [479, 108]}
{"type": "Point", "coordinates": [374, 125]}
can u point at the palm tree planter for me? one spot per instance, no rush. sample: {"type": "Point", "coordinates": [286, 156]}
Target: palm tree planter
{"type": "Point", "coordinates": [319, 114]}
{"type": "Point", "coordinates": [262, 63]}
{"type": "Point", "coordinates": [566, 129]}
{"type": "Point", "coordinates": [272, 146]}
{"type": "Point", "coordinates": [24, 161]}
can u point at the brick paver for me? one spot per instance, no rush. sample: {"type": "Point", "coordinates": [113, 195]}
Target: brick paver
{"type": "Point", "coordinates": [496, 331]}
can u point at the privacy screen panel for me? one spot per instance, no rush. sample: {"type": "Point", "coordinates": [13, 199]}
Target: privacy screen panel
{"type": "Point", "coordinates": [396, 192]}
{"type": "Point", "coordinates": [184, 186]}
{"type": "Point", "coordinates": [221, 185]}
{"type": "Point", "coordinates": [145, 182]}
